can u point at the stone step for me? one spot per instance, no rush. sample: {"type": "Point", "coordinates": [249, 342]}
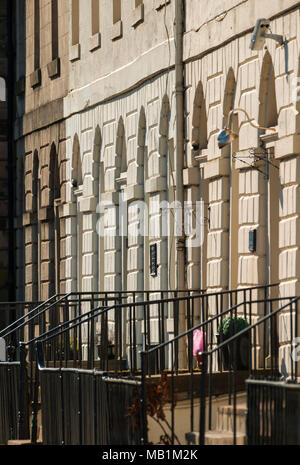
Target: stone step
{"type": "Point", "coordinates": [224, 438]}
{"type": "Point", "coordinates": [216, 438]}
{"type": "Point", "coordinates": [225, 418]}
{"type": "Point", "coordinates": [22, 442]}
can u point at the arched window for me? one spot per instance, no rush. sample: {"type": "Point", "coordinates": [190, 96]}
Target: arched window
{"type": "Point", "coordinates": [2, 90]}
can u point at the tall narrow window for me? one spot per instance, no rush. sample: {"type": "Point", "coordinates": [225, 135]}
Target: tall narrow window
{"type": "Point", "coordinates": [35, 77]}
{"type": "Point", "coordinates": [74, 41]}
{"type": "Point", "coordinates": [137, 13]}
{"type": "Point", "coordinates": [54, 65]}
{"type": "Point", "coordinates": [116, 11]}
{"type": "Point", "coordinates": [36, 34]}
{"type": "Point", "coordinates": [95, 39]}
{"type": "Point", "coordinates": [95, 17]}
{"type": "Point", "coordinates": [54, 29]}
{"type": "Point", "coordinates": [75, 22]}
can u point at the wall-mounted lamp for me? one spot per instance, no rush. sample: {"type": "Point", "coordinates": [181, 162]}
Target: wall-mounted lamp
{"type": "Point", "coordinates": [262, 32]}
{"type": "Point", "coordinates": [226, 136]}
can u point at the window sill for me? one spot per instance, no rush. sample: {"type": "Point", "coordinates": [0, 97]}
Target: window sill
{"type": "Point", "coordinates": [75, 52]}
{"type": "Point", "coordinates": [54, 68]}
{"type": "Point", "coordinates": [36, 78]}
{"type": "Point", "coordinates": [159, 4]}
{"type": "Point", "coordinates": [117, 31]}
{"type": "Point", "coordinates": [138, 16]}
{"type": "Point", "coordinates": [95, 42]}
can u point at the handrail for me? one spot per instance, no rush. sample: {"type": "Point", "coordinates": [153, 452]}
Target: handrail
{"type": "Point", "coordinates": [89, 315]}
{"type": "Point", "coordinates": [204, 323]}
{"type": "Point", "coordinates": [250, 327]}
{"type": "Point", "coordinates": [41, 312]}
{"type": "Point", "coordinates": [2, 333]}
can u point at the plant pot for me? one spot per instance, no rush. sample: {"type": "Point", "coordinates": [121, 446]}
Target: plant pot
{"type": "Point", "coordinates": [228, 351]}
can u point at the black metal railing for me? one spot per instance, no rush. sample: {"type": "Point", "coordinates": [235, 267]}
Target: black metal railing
{"type": "Point", "coordinates": [273, 408]}
{"type": "Point", "coordinates": [34, 320]}
{"type": "Point", "coordinates": [125, 329]}
{"type": "Point", "coordinates": [86, 407]}
{"type": "Point", "coordinates": [256, 349]}
{"type": "Point", "coordinates": [68, 327]}
{"type": "Point", "coordinates": [195, 307]}
{"type": "Point", "coordinates": [11, 311]}
{"type": "Point", "coordinates": [50, 317]}
{"type": "Point", "coordinates": [10, 392]}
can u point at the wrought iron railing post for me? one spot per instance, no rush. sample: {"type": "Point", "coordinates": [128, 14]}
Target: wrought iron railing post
{"type": "Point", "coordinates": [144, 438]}
{"type": "Point", "coordinates": [23, 420]}
{"type": "Point", "coordinates": [202, 400]}
{"type": "Point", "coordinates": [35, 401]}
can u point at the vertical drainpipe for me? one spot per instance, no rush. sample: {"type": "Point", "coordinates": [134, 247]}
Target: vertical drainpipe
{"type": "Point", "coordinates": [179, 91]}
{"type": "Point", "coordinates": [10, 138]}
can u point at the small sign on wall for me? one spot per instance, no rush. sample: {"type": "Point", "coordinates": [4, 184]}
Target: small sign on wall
{"type": "Point", "coordinates": [2, 350]}
{"type": "Point", "coordinates": [252, 240]}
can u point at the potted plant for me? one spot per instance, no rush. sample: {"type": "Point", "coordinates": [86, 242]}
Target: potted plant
{"type": "Point", "coordinates": [226, 329]}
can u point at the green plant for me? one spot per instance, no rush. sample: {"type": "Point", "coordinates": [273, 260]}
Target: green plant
{"type": "Point", "coordinates": [230, 326]}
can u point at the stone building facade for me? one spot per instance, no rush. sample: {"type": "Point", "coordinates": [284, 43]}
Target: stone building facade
{"type": "Point", "coordinates": [98, 118]}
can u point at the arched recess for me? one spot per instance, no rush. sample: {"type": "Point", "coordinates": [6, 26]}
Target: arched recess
{"type": "Point", "coordinates": [164, 194]}
{"type": "Point", "coordinates": [143, 257]}
{"type": "Point", "coordinates": [98, 189]}
{"type": "Point", "coordinates": [36, 236]}
{"type": "Point", "coordinates": [199, 141]}
{"type": "Point", "coordinates": [54, 227]}
{"type": "Point", "coordinates": [268, 113]}
{"type": "Point", "coordinates": [121, 210]}
{"type": "Point", "coordinates": [268, 117]}
{"type": "Point", "coordinates": [199, 121]}
{"type": "Point", "coordinates": [233, 203]}
{"type": "Point", "coordinates": [77, 183]}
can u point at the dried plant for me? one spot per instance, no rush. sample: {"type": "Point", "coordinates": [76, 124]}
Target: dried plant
{"type": "Point", "coordinates": [158, 396]}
